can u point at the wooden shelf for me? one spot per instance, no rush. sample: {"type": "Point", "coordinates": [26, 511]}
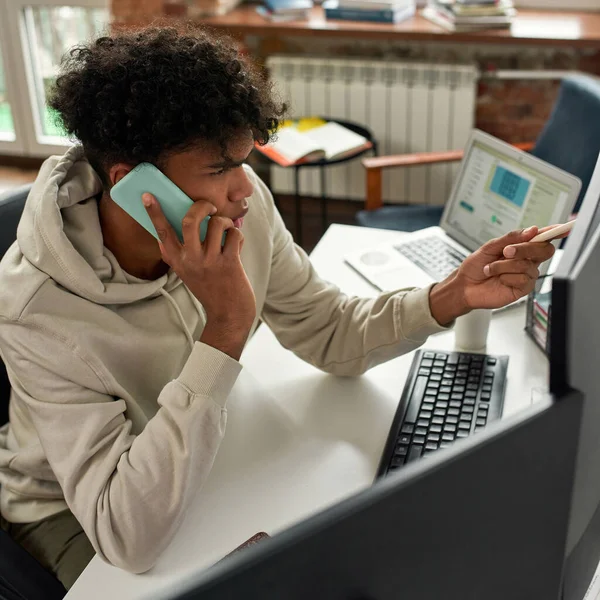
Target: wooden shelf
{"type": "Point", "coordinates": [530, 27]}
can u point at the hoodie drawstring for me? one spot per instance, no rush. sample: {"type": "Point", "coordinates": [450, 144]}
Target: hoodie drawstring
{"type": "Point", "coordinates": [188, 333]}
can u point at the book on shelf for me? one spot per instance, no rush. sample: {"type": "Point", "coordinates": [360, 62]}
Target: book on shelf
{"type": "Point", "coordinates": [263, 11]}
{"type": "Point", "coordinates": [375, 4]}
{"type": "Point", "coordinates": [394, 14]}
{"type": "Point", "coordinates": [288, 7]}
{"type": "Point", "coordinates": [452, 22]}
{"type": "Point", "coordinates": [311, 140]}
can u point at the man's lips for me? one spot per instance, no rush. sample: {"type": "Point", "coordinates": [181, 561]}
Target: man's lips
{"type": "Point", "coordinates": [239, 220]}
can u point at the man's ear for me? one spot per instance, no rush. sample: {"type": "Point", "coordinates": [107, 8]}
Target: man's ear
{"type": "Point", "coordinates": [118, 171]}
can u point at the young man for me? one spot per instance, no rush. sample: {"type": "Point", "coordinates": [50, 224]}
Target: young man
{"type": "Point", "coordinates": [122, 351]}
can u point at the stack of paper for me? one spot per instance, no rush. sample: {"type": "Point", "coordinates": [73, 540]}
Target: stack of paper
{"type": "Point", "coordinates": [470, 15]}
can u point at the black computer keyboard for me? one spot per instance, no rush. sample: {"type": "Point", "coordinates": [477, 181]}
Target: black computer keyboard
{"type": "Point", "coordinates": [435, 256]}
{"type": "Point", "coordinates": [448, 395]}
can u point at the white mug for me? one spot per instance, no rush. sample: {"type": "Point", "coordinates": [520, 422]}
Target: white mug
{"type": "Point", "coordinates": [471, 330]}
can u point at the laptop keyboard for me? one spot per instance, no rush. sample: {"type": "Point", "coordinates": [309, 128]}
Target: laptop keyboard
{"type": "Point", "coordinates": [432, 254]}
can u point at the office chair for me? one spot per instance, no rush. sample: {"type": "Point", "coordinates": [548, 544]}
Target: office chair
{"type": "Point", "coordinates": [570, 140]}
{"type": "Point", "coordinates": [21, 576]}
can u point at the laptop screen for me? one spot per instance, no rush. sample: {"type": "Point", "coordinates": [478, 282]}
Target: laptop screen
{"type": "Point", "coordinates": [498, 193]}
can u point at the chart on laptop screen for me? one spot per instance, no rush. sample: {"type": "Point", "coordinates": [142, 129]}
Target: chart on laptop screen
{"type": "Point", "coordinates": [498, 194]}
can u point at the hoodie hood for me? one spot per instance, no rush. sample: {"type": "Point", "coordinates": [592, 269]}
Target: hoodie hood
{"type": "Point", "coordinates": [60, 235]}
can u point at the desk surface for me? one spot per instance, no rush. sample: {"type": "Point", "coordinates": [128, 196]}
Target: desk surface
{"type": "Point", "coordinates": [299, 440]}
{"type": "Point", "coordinates": [530, 27]}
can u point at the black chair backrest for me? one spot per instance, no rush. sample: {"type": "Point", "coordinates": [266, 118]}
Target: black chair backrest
{"type": "Point", "coordinates": [11, 208]}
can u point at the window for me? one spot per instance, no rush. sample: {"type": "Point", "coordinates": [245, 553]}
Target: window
{"type": "Point", "coordinates": [7, 128]}
{"type": "Point", "coordinates": [37, 34]}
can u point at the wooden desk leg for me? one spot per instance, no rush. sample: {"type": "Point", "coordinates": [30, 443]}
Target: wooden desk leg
{"type": "Point", "coordinates": [298, 206]}
{"type": "Point", "coordinates": [323, 200]}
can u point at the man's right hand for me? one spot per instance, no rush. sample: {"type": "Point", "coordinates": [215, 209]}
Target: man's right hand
{"type": "Point", "coordinates": [214, 274]}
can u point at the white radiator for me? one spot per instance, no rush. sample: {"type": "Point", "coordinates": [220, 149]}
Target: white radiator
{"type": "Point", "coordinates": [409, 107]}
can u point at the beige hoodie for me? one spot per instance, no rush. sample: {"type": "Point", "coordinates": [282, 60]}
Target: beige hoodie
{"type": "Point", "coordinates": [117, 410]}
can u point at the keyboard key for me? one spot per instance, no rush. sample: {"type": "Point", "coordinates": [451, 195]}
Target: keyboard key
{"type": "Point", "coordinates": [419, 440]}
{"type": "Point", "coordinates": [480, 421]}
{"type": "Point", "coordinates": [407, 428]}
{"type": "Point", "coordinates": [467, 410]}
{"type": "Point", "coordinates": [437, 421]}
{"type": "Point", "coordinates": [460, 381]}
{"type": "Point", "coordinates": [435, 378]}
{"type": "Point", "coordinates": [431, 446]}
{"type": "Point", "coordinates": [397, 461]}
{"type": "Point", "coordinates": [445, 389]}
{"type": "Point", "coordinates": [455, 404]}
{"type": "Point", "coordinates": [459, 389]}
{"type": "Point", "coordinates": [429, 355]}
{"type": "Point", "coordinates": [447, 437]}
{"type": "Point", "coordinates": [401, 451]}
{"type": "Point", "coordinates": [486, 396]}
{"type": "Point", "coordinates": [433, 437]}
{"type": "Point", "coordinates": [442, 405]}
{"type": "Point", "coordinates": [425, 372]}
{"type": "Point", "coordinates": [425, 415]}
{"type": "Point", "coordinates": [435, 429]}
{"type": "Point", "coordinates": [439, 363]}
{"type": "Point", "coordinates": [427, 406]}
{"type": "Point", "coordinates": [469, 402]}
{"type": "Point", "coordinates": [465, 421]}
{"type": "Point", "coordinates": [486, 388]}
{"type": "Point", "coordinates": [441, 357]}
{"type": "Point", "coordinates": [470, 394]}
{"type": "Point", "coordinates": [473, 386]}
{"type": "Point", "coordinates": [483, 408]}
{"type": "Point", "coordinates": [427, 363]}
{"type": "Point", "coordinates": [449, 427]}
{"type": "Point", "coordinates": [418, 392]}
{"type": "Point", "coordinates": [445, 444]}
{"type": "Point", "coordinates": [452, 360]}
{"type": "Point", "coordinates": [422, 423]}
{"type": "Point", "coordinates": [443, 397]}
{"type": "Point", "coordinates": [420, 431]}
{"type": "Point", "coordinates": [462, 434]}
{"type": "Point", "coordinates": [464, 359]}
{"type": "Point", "coordinates": [434, 385]}
{"type": "Point", "coordinates": [491, 361]}
{"type": "Point", "coordinates": [451, 419]}
{"type": "Point", "coordinates": [453, 412]}
{"type": "Point", "coordinates": [414, 453]}
{"type": "Point", "coordinates": [439, 412]}
{"type": "Point", "coordinates": [404, 439]}
{"type": "Point", "coordinates": [437, 371]}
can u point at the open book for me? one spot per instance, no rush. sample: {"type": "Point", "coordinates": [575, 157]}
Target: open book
{"type": "Point", "coordinates": [330, 141]}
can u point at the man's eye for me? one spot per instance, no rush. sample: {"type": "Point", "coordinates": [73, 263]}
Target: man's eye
{"type": "Point", "coordinates": [220, 172]}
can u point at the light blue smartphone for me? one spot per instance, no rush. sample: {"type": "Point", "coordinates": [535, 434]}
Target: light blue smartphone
{"type": "Point", "coordinates": [127, 193]}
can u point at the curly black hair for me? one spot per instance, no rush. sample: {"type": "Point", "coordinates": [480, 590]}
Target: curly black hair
{"type": "Point", "coordinates": [138, 96]}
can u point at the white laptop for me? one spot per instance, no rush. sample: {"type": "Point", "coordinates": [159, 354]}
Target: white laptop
{"type": "Point", "coordinates": [498, 189]}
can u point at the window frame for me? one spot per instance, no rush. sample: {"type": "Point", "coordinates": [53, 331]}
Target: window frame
{"type": "Point", "coordinates": [20, 77]}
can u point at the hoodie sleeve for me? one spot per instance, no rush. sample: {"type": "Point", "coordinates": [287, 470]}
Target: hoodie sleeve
{"type": "Point", "coordinates": [129, 492]}
{"type": "Point", "coordinates": [334, 332]}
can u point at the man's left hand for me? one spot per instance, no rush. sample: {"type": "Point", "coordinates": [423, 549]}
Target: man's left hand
{"type": "Point", "coordinates": [499, 273]}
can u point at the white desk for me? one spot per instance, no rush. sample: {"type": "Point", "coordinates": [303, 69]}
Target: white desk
{"type": "Point", "coordinates": [301, 440]}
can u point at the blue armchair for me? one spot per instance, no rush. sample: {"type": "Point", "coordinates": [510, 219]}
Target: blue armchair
{"type": "Point", "coordinates": [570, 140]}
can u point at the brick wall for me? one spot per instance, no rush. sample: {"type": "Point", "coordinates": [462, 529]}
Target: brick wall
{"type": "Point", "coordinates": [513, 110]}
